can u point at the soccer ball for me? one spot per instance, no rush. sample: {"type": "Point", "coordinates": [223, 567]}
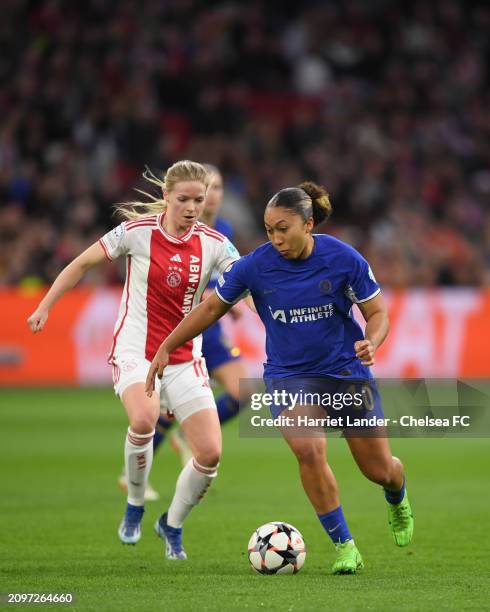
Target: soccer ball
{"type": "Point", "coordinates": [276, 548]}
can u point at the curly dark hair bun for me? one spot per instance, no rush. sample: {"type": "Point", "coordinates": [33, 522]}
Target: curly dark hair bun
{"type": "Point", "coordinates": [322, 209]}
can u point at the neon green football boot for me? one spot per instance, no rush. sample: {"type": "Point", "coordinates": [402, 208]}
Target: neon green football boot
{"type": "Point", "coordinates": [400, 518]}
{"type": "Point", "coordinates": [348, 559]}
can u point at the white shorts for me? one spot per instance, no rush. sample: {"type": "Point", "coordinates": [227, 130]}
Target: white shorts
{"type": "Point", "coordinates": [184, 388]}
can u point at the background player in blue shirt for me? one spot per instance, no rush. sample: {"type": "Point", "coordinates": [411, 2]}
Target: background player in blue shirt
{"type": "Point", "coordinates": [222, 359]}
{"type": "Point", "coordinates": [304, 286]}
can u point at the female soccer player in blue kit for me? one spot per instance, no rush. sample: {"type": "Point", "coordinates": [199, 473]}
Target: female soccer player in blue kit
{"type": "Point", "coordinates": [322, 277]}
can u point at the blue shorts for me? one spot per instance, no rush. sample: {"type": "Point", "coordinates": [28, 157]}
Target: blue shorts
{"type": "Point", "coordinates": [339, 397]}
{"type": "Point", "coordinates": [217, 350]}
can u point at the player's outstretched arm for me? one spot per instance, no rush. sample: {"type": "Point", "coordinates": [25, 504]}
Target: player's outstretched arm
{"type": "Point", "coordinates": [66, 280]}
{"type": "Point", "coordinates": [375, 314]}
{"type": "Point", "coordinates": [199, 319]}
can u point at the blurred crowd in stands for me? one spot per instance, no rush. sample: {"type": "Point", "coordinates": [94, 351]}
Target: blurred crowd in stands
{"type": "Point", "coordinates": [386, 103]}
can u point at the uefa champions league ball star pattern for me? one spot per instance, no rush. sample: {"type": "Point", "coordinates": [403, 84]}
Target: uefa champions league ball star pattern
{"type": "Point", "coordinates": [276, 548]}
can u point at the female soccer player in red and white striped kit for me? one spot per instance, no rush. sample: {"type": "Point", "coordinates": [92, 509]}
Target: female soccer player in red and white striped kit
{"type": "Point", "coordinates": [169, 259]}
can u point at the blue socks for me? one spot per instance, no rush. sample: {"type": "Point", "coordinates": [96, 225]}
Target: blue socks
{"type": "Point", "coordinates": [227, 407]}
{"type": "Point", "coordinates": [163, 425]}
{"type": "Point", "coordinates": [335, 525]}
{"type": "Point", "coordinates": [395, 497]}
{"type": "Point", "coordinates": [134, 514]}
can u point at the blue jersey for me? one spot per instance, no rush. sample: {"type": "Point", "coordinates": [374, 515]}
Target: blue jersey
{"type": "Point", "coordinates": [223, 227]}
{"type": "Point", "coordinates": [306, 306]}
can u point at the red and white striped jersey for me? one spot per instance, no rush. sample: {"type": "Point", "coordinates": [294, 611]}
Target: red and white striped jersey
{"type": "Point", "coordinates": [165, 278]}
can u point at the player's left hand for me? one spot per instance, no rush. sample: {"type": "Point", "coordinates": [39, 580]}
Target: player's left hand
{"type": "Point", "coordinates": [160, 361]}
{"type": "Point", "coordinates": [365, 352]}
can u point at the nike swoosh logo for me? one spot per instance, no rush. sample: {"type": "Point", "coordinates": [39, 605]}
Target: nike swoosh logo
{"type": "Point", "coordinates": [332, 530]}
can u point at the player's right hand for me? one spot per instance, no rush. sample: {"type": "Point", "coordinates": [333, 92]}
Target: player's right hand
{"type": "Point", "coordinates": [160, 361]}
{"type": "Point", "coordinates": [365, 351]}
{"type": "Point", "coordinates": [37, 320]}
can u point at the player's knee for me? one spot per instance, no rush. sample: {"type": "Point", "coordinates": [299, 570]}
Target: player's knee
{"type": "Point", "coordinates": [309, 453]}
{"type": "Point", "coordinates": [233, 389]}
{"type": "Point", "coordinates": [209, 457]}
{"type": "Point", "coordinates": [144, 424]}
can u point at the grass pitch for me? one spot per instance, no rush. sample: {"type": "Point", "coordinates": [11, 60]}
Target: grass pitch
{"type": "Point", "coordinates": [61, 452]}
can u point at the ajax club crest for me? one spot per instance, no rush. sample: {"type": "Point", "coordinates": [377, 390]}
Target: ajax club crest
{"type": "Point", "coordinates": [174, 279]}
